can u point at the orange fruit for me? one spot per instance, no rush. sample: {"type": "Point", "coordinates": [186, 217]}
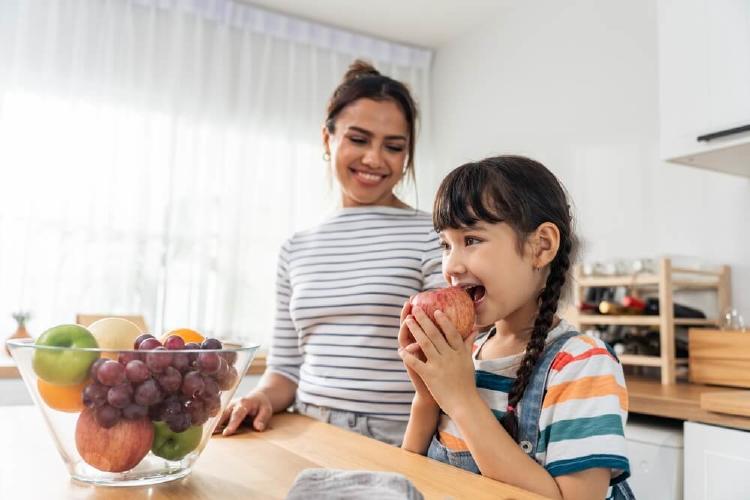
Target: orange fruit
{"type": "Point", "coordinates": [187, 335]}
{"type": "Point", "coordinates": [68, 398]}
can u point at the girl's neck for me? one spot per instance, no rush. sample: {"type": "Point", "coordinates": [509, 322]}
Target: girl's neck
{"type": "Point", "coordinates": [520, 323]}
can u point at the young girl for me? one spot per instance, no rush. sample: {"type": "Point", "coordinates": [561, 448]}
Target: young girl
{"type": "Point", "coordinates": [533, 403]}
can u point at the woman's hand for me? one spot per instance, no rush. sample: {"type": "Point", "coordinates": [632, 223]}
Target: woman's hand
{"type": "Point", "coordinates": [447, 370]}
{"type": "Point", "coordinates": [255, 405]}
{"type": "Point", "coordinates": [407, 342]}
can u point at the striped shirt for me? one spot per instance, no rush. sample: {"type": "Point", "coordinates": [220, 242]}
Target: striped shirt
{"type": "Point", "coordinates": [340, 289]}
{"type": "Point", "coordinates": [583, 411]}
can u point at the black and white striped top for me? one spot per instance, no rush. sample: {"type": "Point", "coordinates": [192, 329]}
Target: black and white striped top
{"type": "Point", "coordinates": [340, 289]}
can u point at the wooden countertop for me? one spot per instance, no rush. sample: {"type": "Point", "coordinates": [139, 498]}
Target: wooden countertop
{"type": "Point", "coordinates": [680, 401]}
{"type": "Point", "coordinates": [248, 465]}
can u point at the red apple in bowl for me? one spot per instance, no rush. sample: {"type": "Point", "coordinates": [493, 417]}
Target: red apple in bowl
{"type": "Point", "coordinates": [114, 449]}
{"type": "Point", "coordinates": [454, 302]}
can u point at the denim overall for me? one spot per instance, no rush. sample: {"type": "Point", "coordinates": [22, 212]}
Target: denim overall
{"type": "Point", "coordinates": [529, 412]}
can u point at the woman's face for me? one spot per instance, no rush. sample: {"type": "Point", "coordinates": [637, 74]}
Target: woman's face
{"type": "Point", "coordinates": [369, 150]}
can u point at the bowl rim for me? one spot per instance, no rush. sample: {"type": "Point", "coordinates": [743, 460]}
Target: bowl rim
{"type": "Point", "coordinates": [31, 344]}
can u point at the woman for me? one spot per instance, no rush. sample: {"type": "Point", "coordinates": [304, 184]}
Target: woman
{"type": "Point", "coordinates": [341, 285]}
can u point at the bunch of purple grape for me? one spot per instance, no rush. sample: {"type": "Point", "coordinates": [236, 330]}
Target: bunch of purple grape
{"type": "Point", "coordinates": [162, 382]}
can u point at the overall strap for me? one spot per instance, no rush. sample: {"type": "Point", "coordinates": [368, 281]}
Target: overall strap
{"type": "Point", "coordinates": [530, 407]}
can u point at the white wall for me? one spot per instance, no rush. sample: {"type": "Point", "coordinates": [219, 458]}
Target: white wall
{"type": "Point", "coordinates": [574, 84]}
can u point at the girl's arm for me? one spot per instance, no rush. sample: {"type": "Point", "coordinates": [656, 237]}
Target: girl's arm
{"type": "Point", "coordinates": [424, 411]}
{"type": "Point", "coordinates": [422, 424]}
{"type": "Point", "coordinates": [448, 373]}
{"type": "Point", "coordinates": [499, 457]}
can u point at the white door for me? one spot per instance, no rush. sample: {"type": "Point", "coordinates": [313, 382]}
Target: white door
{"type": "Point", "coordinates": [717, 463]}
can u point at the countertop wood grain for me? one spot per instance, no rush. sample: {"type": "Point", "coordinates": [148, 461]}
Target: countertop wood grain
{"type": "Point", "coordinates": [248, 465]}
{"type": "Point", "coordinates": [681, 401]}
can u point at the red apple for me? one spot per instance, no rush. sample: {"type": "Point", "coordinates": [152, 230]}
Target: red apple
{"type": "Point", "coordinates": [116, 449]}
{"type": "Point", "coordinates": [454, 302]}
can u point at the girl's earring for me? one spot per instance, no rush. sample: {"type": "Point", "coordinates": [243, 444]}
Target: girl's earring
{"type": "Point", "coordinates": [326, 156]}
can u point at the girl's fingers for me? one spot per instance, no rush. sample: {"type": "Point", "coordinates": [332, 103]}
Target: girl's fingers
{"type": "Point", "coordinates": [405, 310]}
{"type": "Point", "coordinates": [412, 362]}
{"type": "Point", "coordinates": [452, 336]}
{"type": "Point", "coordinates": [413, 348]}
{"type": "Point", "coordinates": [428, 348]}
{"type": "Point", "coordinates": [429, 328]}
{"type": "Point", "coordinates": [404, 336]}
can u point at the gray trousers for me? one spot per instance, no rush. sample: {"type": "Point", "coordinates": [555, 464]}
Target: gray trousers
{"type": "Point", "coordinates": [387, 431]}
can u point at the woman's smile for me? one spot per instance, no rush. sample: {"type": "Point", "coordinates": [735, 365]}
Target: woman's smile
{"type": "Point", "coordinates": [367, 178]}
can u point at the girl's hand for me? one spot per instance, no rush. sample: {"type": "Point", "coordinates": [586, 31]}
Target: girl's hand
{"type": "Point", "coordinates": [448, 369]}
{"type": "Point", "coordinates": [255, 406]}
{"type": "Point", "coordinates": [406, 342]}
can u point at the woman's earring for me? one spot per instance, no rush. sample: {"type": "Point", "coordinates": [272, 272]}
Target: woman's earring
{"type": "Point", "coordinates": [326, 156]}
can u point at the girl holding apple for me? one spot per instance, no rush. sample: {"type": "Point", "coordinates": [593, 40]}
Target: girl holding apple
{"type": "Point", "coordinates": [533, 403]}
{"type": "Point", "coordinates": [340, 285]}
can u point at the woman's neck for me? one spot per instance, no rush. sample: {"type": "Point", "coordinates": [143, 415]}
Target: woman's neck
{"type": "Point", "coordinates": [390, 201]}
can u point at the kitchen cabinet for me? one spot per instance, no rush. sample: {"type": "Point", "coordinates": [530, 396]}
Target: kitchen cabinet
{"type": "Point", "coordinates": [655, 450]}
{"type": "Point", "coordinates": [717, 461]}
{"type": "Point", "coordinates": [704, 82]}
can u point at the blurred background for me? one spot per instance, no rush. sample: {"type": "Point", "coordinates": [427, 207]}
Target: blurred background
{"type": "Point", "coordinates": [154, 154]}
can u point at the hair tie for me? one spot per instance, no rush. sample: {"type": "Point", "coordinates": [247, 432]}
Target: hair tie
{"type": "Point", "coordinates": [511, 409]}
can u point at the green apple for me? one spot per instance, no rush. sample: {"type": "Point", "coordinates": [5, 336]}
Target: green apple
{"type": "Point", "coordinates": [175, 445]}
{"type": "Point", "coordinates": [62, 364]}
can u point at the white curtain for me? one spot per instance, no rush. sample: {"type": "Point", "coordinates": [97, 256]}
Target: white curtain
{"type": "Point", "coordinates": [155, 154]}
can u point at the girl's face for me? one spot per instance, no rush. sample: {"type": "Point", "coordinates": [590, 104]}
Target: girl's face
{"type": "Point", "coordinates": [484, 259]}
{"type": "Point", "coordinates": [369, 150]}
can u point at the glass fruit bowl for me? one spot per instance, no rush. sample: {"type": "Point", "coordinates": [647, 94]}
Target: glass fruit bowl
{"type": "Point", "coordinates": [129, 417]}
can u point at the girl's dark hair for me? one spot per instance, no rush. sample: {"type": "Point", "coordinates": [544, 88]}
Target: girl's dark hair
{"type": "Point", "coordinates": [363, 81]}
{"type": "Point", "coordinates": [522, 193]}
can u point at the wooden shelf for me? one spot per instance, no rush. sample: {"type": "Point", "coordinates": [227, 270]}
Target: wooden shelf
{"type": "Point", "coordinates": [696, 322]}
{"type": "Point", "coordinates": [640, 360]}
{"type": "Point", "coordinates": [646, 281]}
{"type": "Point", "coordinates": [608, 281]}
{"type": "Point", "coordinates": [603, 319]}
{"type": "Point", "coordinates": [664, 282]}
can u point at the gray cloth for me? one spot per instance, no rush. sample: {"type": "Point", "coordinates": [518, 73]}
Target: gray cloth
{"type": "Point", "coordinates": [336, 484]}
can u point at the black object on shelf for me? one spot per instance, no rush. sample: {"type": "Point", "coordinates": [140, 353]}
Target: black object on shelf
{"type": "Point", "coordinates": [596, 294]}
{"type": "Point", "coordinates": [723, 133]}
{"type": "Point", "coordinates": [680, 311]}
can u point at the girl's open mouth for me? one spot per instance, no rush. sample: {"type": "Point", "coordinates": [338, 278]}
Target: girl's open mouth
{"type": "Point", "coordinates": [476, 292]}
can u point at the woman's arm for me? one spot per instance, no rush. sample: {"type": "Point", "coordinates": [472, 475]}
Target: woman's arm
{"type": "Point", "coordinates": [279, 389]}
{"type": "Point", "coordinates": [422, 424]}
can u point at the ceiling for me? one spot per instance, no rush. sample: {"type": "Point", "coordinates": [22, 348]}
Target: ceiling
{"type": "Point", "coordinates": [424, 23]}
